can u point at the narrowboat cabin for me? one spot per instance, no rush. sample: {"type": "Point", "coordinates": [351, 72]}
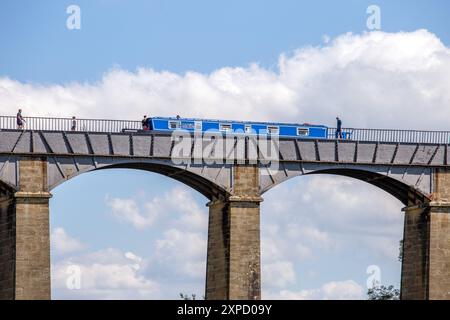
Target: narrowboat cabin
{"type": "Point", "coordinates": [307, 131]}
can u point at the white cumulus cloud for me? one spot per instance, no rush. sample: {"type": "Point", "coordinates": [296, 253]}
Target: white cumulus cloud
{"type": "Point", "coordinates": [368, 79]}
{"type": "Point", "coordinates": [334, 290]}
{"type": "Point", "coordinates": [178, 203]}
{"type": "Point", "coordinates": [184, 251]}
{"type": "Point", "coordinates": [278, 274]}
{"type": "Point", "coordinates": [62, 243]}
{"type": "Point", "coordinates": [104, 274]}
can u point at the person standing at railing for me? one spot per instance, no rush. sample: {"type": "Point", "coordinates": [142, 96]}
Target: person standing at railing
{"type": "Point", "coordinates": [20, 120]}
{"type": "Point", "coordinates": [338, 128]}
{"type": "Point", "coordinates": [144, 123]}
{"type": "Point", "coordinates": [73, 127]}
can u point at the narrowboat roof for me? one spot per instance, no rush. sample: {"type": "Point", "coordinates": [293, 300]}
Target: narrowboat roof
{"type": "Point", "coordinates": [242, 122]}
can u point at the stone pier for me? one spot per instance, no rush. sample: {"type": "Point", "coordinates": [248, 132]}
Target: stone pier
{"type": "Point", "coordinates": [24, 235]}
{"type": "Point", "coordinates": [426, 246]}
{"type": "Point", "coordinates": [233, 262]}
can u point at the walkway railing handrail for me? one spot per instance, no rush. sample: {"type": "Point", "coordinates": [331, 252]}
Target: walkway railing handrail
{"type": "Point", "coordinates": [392, 135]}
{"type": "Point", "coordinates": [107, 125]}
{"type": "Point", "coordinates": [65, 124]}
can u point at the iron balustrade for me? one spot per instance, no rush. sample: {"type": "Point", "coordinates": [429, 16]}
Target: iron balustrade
{"type": "Point", "coordinates": [392, 135]}
{"type": "Point", "coordinates": [106, 125]}
{"type": "Point", "coordinates": [65, 124]}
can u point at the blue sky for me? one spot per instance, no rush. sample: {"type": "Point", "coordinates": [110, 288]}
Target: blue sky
{"type": "Point", "coordinates": [184, 35]}
{"type": "Point", "coordinates": [133, 57]}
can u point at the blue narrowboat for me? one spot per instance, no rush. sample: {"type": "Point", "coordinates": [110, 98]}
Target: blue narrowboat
{"type": "Point", "coordinates": [237, 127]}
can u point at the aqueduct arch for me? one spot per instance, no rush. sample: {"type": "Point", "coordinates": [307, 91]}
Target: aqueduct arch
{"type": "Point", "coordinates": [201, 184]}
{"type": "Point", "coordinates": [408, 185]}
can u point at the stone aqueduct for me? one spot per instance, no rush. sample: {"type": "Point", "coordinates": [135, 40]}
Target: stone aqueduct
{"type": "Point", "coordinates": [32, 163]}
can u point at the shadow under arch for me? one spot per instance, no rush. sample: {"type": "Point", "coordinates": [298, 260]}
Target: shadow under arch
{"type": "Point", "coordinates": [406, 194]}
{"type": "Point", "coordinates": [6, 190]}
{"type": "Point", "coordinates": [204, 186]}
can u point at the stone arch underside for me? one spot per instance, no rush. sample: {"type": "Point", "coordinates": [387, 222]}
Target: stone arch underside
{"type": "Point", "coordinates": [406, 194]}
{"type": "Point", "coordinates": [410, 185]}
{"type": "Point", "coordinates": [5, 190]}
{"type": "Point", "coordinates": [196, 182]}
{"type": "Point", "coordinates": [211, 181]}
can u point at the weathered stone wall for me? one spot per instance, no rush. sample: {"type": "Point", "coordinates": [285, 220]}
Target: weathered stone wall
{"type": "Point", "coordinates": [32, 231]}
{"type": "Point", "coordinates": [439, 253]}
{"type": "Point", "coordinates": [217, 265]}
{"type": "Point", "coordinates": [233, 264]}
{"type": "Point", "coordinates": [32, 249]}
{"type": "Point", "coordinates": [426, 247]}
{"type": "Point", "coordinates": [441, 186]}
{"type": "Point", "coordinates": [7, 247]}
{"type": "Point", "coordinates": [415, 251]}
{"type": "Point", "coordinates": [24, 235]}
{"type": "Point", "coordinates": [245, 265]}
{"type": "Point", "coordinates": [246, 182]}
{"type": "Point", "coordinates": [439, 242]}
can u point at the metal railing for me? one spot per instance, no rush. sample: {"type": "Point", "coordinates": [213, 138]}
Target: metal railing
{"type": "Point", "coordinates": [392, 135]}
{"type": "Point", "coordinates": [104, 125]}
{"type": "Point", "coordinates": [65, 124]}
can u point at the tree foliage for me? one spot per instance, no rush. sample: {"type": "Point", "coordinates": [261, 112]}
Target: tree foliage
{"type": "Point", "coordinates": [400, 254]}
{"type": "Point", "coordinates": [383, 293]}
{"type": "Point", "coordinates": [184, 296]}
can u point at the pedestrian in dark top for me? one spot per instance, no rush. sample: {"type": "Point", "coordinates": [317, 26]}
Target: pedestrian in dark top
{"type": "Point", "coordinates": [73, 127]}
{"type": "Point", "coordinates": [144, 123]}
{"type": "Point", "coordinates": [338, 128]}
{"type": "Point", "coordinates": [20, 120]}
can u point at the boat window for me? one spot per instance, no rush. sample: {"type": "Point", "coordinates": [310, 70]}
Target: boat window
{"type": "Point", "coordinates": [273, 130]}
{"type": "Point", "coordinates": [225, 127]}
{"type": "Point", "coordinates": [248, 128]}
{"type": "Point", "coordinates": [302, 132]}
{"type": "Point", "coordinates": [174, 124]}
